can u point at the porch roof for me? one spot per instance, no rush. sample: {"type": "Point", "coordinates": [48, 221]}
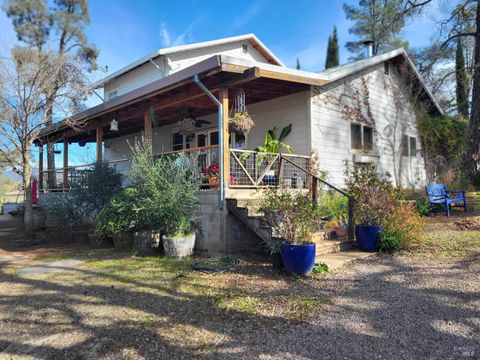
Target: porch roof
{"type": "Point", "coordinates": [171, 94]}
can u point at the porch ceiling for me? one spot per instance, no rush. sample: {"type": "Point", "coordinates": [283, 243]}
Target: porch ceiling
{"type": "Point", "coordinates": [169, 102]}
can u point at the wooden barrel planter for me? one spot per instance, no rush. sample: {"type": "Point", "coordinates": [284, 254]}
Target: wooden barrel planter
{"type": "Point", "coordinates": [147, 242]}
{"type": "Point", "coordinates": [123, 241]}
{"type": "Point", "coordinates": [179, 247]}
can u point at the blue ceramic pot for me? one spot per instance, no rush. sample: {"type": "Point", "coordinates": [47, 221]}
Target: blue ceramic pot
{"type": "Point", "coordinates": [368, 237]}
{"type": "Point", "coordinates": [298, 259]}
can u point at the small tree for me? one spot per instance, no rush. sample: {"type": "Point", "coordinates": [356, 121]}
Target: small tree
{"type": "Point", "coordinates": [24, 81]}
{"type": "Point", "coordinates": [332, 50]}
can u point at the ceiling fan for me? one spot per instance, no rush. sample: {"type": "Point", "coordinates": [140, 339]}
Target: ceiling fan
{"type": "Point", "coordinates": [192, 114]}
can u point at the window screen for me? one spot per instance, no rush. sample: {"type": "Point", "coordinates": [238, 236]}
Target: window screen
{"type": "Point", "coordinates": [356, 136]}
{"type": "Point", "coordinates": [214, 138]}
{"type": "Point", "coordinates": [367, 138]}
{"type": "Point", "coordinates": [413, 146]}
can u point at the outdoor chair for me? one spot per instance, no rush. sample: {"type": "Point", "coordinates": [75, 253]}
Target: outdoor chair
{"type": "Point", "coordinates": [438, 195]}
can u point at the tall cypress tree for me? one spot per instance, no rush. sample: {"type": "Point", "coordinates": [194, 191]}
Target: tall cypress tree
{"type": "Point", "coordinates": [332, 50]}
{"type": "Point", "coordinates": [298, 67]}
{"type": "Point", "coordinates": [462, 82]}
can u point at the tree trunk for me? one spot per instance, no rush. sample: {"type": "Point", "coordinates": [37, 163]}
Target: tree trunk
{"type": "Point", "coordinates": [28, 216]}
{"type": "Point", "coordinates": [472, 156]}
{"type": "Point", "coordinates": [51, 176]}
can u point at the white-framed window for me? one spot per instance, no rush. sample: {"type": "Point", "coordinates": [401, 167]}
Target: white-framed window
{"type": "Point", "coordinates": [361, 137]}
{"type": "Point", "coordinates": [409, 146]}
{"type": "Point", "coordinates": [180, 142]}
{"type": "Point", "coordinates": [112, 94]}
{"type": "Point", "coordinates": [238, 141]}
{"type": "Point", "coordinates": [245, 48]}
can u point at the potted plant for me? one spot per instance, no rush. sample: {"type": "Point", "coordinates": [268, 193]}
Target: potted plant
{"type": "Point", "coordinates": [179, 239]}
{"type": "Point", "coordinates": [212, 172]}
{"type": "Point", "coordinates": [241, 122]}
{"type": "Point", "coordinates": [292, 216]}
{"type": "Point", "coordinates": [335, 206]}
{"type": "Point", "coordinates": [375, 199]}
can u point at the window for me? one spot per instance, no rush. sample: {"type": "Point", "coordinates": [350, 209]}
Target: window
{"type": "Point", "coordinates": [238, 141]}
{"type": "Point", "coordinates": [177, 141]}
{"type": "Point", "coordinates": [409, 146]}
{"type": "Point", "coordinates": [361, 137]}
{"type": "Point", "coordinates": [413, 146]}
{"type": "Point", "coordinates": [386, 68]}
{"type": "Point", "coordinates": [112, 94]}
{"type": "Point", "coordinates": [245, 48]}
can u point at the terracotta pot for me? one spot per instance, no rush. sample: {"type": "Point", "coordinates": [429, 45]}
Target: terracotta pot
{"type": "Point", "coordinates": [213, 181]}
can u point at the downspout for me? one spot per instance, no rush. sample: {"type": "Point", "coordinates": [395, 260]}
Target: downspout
{"type": "Point", "coordinates": [221, 195]}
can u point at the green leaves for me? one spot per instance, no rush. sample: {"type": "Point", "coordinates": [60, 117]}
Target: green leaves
{"type": "Point", "coordinates": [273, 143]}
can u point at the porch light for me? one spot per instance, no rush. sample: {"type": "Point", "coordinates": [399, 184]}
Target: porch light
{"type": "Point", "coordinates": [114, 125]}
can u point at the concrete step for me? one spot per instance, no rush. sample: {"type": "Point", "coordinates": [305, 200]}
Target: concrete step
{"type": "Point", "coordinates": [337, 260]}
{"type": "Point", "coordinates": [333, 246]}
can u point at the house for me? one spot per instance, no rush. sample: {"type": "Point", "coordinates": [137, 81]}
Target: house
{"type": "Point", "coordinates": [361, 112]}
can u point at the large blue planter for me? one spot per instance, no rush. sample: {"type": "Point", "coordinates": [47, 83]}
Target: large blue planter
{"type": "Point", "coordinates": [368, 237]}
{"type": "Point", "coordinates": [298, 259]}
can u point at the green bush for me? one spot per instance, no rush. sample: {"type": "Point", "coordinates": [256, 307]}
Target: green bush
{"type": "Point", "coordinates": [375, 196]}
{"type": "Point", "coordinates": [163, 196]}
{"type": "Point", "coordinates": [391, 240]}
{"type": "Point", "coordinates": [122, 214]}
{"type": "Point", "coordinates": [97, 186]}
{"type": "Point", "coordinates": [291, 214]}
{"type": "Point", "coordinates": [335, 206]}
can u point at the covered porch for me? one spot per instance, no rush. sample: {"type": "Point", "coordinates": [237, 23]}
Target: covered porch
{"type": "Point", "coordinates": [204, 92]}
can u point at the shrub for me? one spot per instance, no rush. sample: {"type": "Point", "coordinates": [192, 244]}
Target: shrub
{"type": "Point", "coordinates": [375, 197]}
{"type": "Point", "coordinates": [97, 186]}
{"type": "Point", "coordinates": [391, 240]}
{"type": "Point", "coordinates": [291, 214]}
{"type": "Point", "coordinates": [335, 206]}
{"type": "Point", "coordinates": [166, 189]}
{"type": "Point", "coordinates": [406, 219]}
{"type": "Point", "coordinates": [122, 214]}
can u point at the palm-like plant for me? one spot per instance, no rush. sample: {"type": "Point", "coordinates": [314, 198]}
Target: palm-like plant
{"type": "Point", "coordinates": [273, 143]}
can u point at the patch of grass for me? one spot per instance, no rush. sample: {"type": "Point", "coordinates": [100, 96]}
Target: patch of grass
{"type": "Point", "coordinates": [245, 304]}
{"type": "Point", "coordinates": [450, 243]}
{"type": "Point", "coordinates": [302, 306]}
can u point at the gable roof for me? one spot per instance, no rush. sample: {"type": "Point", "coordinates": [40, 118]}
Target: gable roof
{"type": "Point", "coordinates": [251, 38]}
{"type": "Point", "coordinates": [345, 70]}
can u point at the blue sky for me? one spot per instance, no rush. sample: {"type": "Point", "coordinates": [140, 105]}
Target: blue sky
{"type": "Point", "coordinates": [125, 30]}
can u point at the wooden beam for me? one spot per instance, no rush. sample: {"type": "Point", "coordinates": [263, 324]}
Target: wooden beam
{"type": "Point", "coordinates": [40, 167]}
{"type": "Point", "coordinates": [290, 77]}
{"type": "Point", "coordinates": [65, 163]}
{"type": "Point", "coordinates": [147, 125]}
{"type": "Point", "coordinates": [226, 139]}
{"type": "Point", "coordinates": [99, 143]}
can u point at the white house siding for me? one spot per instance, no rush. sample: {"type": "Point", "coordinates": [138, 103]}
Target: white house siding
{"type": "Point", "coordinates": [174, 62]}
{"type": "Point", "coordinates": [330, 133]}
{"type": "Point", "coordinates": [280, 112]}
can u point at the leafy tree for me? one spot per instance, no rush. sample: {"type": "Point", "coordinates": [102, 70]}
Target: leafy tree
{"type": "Point", "coordinates": [380, 21]}
{"type": "Point", "coordinates": [332, 50]}
{"type": "Point", "coordinates": [462, 80]}
{"type": "Point", "coordinates": [298, 66]}
{"type": "Point", "coordinates": [57, 28]}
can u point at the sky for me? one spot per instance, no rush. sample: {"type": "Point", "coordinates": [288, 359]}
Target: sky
{"type": "Point", "coordinates": [125, 30]}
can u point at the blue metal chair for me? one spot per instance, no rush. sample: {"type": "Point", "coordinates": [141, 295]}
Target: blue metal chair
{"type": "Point", "coordinates": [438, 195]}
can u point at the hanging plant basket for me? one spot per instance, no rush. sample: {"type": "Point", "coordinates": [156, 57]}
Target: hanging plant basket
{"type": "Point", "coordinates": [241, 122]}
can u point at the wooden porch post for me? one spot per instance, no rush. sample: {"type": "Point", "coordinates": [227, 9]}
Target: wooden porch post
{"type": "Point", "coordinates": [99, 143]}
{"type": "Point", "coordinates": [226, 138]}
{"type": "Point", "coordinates": [65, 163]}
{"type": "Point", "coordinates": [147, 126]}
{"type": "Point", "coordinates": [40, 167]}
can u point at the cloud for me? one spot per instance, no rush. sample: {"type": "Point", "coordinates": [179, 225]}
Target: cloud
{"type": "Point", "coordinates": [248, 15]}
{"type": "Point", "coordinates": [169, 39]}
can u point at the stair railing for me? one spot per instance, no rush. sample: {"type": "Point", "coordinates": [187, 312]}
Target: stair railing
{"type": "Point", "coordinates": [315, 180]}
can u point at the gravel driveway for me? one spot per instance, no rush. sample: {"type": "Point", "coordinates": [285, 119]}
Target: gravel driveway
{"type": "Point", "coordinates": [386, 307]}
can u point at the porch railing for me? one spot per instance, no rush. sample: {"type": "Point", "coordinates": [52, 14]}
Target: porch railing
{"type": "Point", "coordinates": [251, 169]}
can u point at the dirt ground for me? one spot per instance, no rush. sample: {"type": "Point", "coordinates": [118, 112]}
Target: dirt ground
{"type": "Point", "coordinates": [421, 305]}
